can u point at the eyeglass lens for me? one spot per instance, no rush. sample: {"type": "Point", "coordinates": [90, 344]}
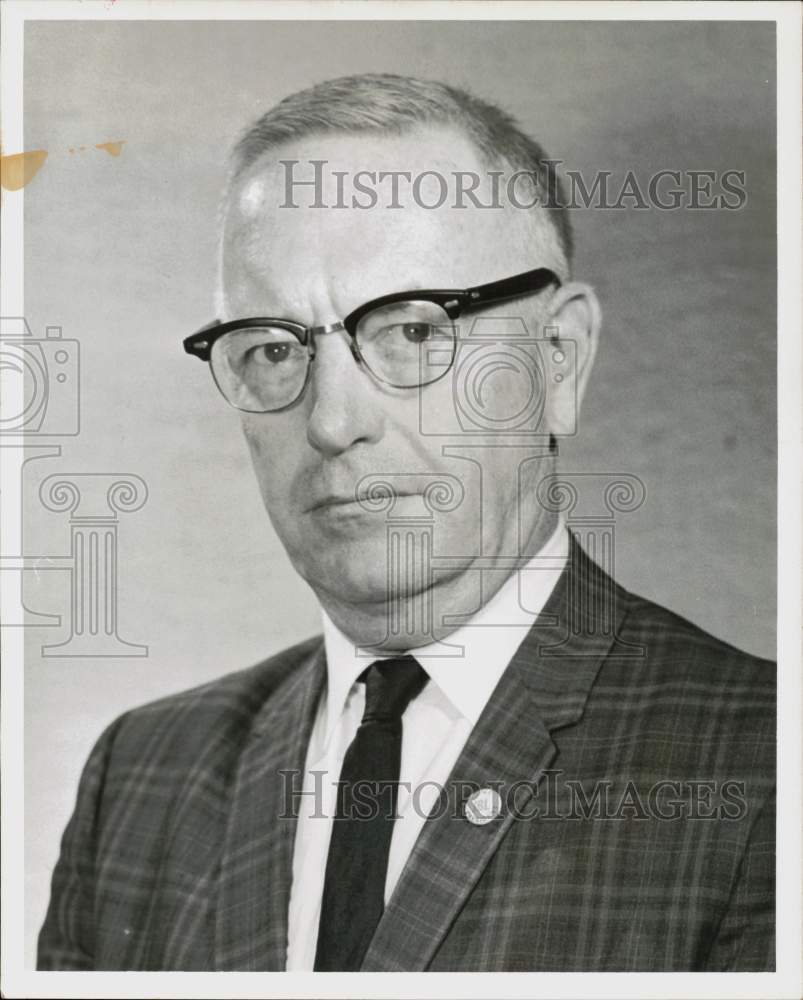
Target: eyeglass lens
{"type": "Point", "coordinates": [405, 344]}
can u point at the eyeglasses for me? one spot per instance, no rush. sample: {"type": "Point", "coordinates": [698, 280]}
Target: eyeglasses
{"type": "Point", "coordinates": [405, 340]}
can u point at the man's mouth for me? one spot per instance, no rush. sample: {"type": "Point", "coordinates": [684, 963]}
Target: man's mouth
{"type": "Point", "coordinates": [334, 501]}
{"type": "Point", "coordinates": [365, 501]}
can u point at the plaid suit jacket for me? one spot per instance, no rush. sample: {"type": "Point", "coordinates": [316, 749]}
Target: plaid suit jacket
{"type": "Point", "coordinates": [633, 753]}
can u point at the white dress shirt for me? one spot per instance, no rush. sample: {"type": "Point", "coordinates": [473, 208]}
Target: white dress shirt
{"type": "Point", "coordinates": [435, 728]}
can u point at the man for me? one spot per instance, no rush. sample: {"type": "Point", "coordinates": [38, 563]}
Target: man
{"type": "Point", "coordinates": [496, 759]}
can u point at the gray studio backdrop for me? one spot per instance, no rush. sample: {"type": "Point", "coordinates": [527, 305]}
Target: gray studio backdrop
{"type": "Point", "coordinates": [119, 252]}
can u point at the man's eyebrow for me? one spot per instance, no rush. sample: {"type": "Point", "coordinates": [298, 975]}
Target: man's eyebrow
{"type": "Point", "coordinates": [410, 288]}
{"type": "Point", "coordinates": [403, 304]}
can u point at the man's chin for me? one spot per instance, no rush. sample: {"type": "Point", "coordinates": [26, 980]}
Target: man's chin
{"type": "Point", "coordinates": [354, 574]}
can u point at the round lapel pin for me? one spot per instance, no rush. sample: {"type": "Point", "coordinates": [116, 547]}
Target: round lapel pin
{"type": "Point", "coordinates": [483, 806]}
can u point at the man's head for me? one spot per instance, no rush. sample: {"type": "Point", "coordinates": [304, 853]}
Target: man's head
{"type": "Point", "coordinates": [313, 254]}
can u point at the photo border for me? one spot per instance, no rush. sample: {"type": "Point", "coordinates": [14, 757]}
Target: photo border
{"type": "Point", "coordinates": [787, 979]}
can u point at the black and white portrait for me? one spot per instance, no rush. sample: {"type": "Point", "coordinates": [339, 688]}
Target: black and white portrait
{"type": "Point", "coordinates": [392, 539]}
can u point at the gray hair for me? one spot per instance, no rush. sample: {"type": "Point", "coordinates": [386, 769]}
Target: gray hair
{"type": "Point", "coordinates": [385, 102]}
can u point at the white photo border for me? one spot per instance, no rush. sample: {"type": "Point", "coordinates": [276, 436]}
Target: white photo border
{"type": "Point", "coordinates": [787, 980]}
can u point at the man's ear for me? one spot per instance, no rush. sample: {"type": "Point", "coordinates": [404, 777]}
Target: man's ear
{"type": "Point", "coordinates": [572, 330]}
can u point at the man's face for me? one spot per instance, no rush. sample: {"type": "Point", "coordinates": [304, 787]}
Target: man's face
{"type": "Point", "coordinates": [315, 265]}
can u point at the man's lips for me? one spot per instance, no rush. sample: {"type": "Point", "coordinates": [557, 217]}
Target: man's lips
{"type": "Point", "coordinates": [364, 500]}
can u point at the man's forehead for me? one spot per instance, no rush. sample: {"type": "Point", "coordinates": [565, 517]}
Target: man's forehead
{"type": "Point", "coordinates": [281, 235]}
{"type": "Point", "coordinates": [334, 160]}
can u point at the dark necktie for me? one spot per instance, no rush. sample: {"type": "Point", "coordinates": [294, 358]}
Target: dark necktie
{"type": "Point", "coordinates": [356, 868]}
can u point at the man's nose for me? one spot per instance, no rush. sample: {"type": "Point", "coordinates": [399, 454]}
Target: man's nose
{"type": "Point", "coordinates": [342, 398]}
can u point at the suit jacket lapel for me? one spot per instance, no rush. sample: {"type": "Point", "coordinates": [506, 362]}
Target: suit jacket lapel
{"type": "Point", "coordinates": [256, 866]}
{"type": "Point", "coordinates": [544, 688]}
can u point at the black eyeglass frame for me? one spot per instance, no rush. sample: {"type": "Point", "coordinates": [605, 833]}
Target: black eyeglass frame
{"type": "Point", "coordinates": [454, 302]}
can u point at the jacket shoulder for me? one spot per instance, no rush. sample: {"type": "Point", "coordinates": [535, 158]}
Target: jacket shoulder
{"type": "Point", "coordinates": [219, 711]}
{"type": "Point", "coordinates": [683, 705]}
{"type": "Point", "coordinates": [678, 677]}
{"type": "Point", "coordinates": [668, 638]}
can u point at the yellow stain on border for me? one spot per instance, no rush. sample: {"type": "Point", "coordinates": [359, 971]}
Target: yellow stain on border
{"type": "Point", "coordinates": [17, 169]}
{"type": "Point", "coordinates": [112, 148]}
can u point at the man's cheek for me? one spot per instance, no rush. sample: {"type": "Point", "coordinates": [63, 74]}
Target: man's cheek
{"type": "Point", "coordinates": [252, 439]}
{"type": "Point", "coordinates": [270, 466]}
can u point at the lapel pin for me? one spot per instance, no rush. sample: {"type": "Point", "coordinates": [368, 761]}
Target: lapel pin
{"type": "Point", "coordinates": [483, 806]}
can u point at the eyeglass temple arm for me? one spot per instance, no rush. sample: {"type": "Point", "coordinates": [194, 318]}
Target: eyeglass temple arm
{"type": "Point", "coordinates": [510, 288]}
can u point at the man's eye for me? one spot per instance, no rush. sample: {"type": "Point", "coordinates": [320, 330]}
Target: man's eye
{"type": "Point", "coordinates": [270, 354]}
{"type": "Point", "coordinates": [416, 333]}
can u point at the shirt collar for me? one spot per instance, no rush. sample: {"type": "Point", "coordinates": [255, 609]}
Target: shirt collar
{"type": "Point", "coordinates": [468, 664]}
